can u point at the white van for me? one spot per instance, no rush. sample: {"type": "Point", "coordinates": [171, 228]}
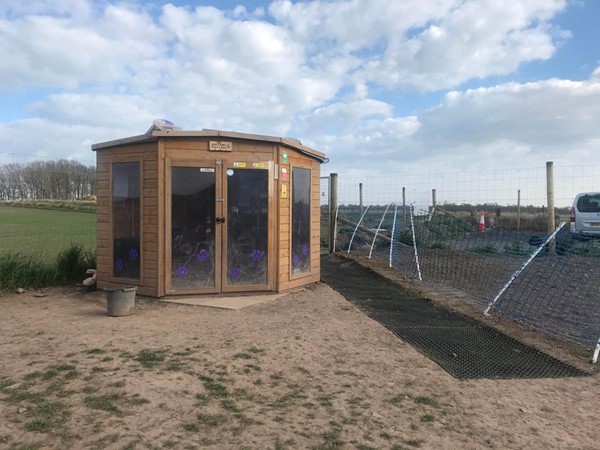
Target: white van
{"type": "Point", "coordinates": [585, 215]}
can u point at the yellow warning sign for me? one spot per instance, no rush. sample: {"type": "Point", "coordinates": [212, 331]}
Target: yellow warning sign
{"type": "Point", "coordinates": [284, 191]}
{"type": "Point", "coordinates": [239, 164]}
{"type": "Point", "coordinates": [258, 165]}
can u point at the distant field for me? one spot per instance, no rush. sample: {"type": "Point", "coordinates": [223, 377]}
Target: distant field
{"type": "Point", "coordinates": [32, 231]}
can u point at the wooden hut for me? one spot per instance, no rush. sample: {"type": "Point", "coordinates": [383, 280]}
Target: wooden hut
{"type": "Point", "coordinates": [201, 212]}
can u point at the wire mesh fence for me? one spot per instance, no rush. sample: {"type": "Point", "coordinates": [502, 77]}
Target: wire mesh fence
{"type": "Point", "coordinates": [476, 237]}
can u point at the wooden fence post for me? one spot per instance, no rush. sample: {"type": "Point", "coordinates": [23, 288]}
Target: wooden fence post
{"type": "Point", "coordinates": [404, 204]}
{"type": "Point", "coordinates": [360, 197]}
{"type": "Point", "coordinates": [550, 195]}
{"type": "Point", "coordinates": [519, 210]}
{"type": "Point", "coordinates": [333, 209]}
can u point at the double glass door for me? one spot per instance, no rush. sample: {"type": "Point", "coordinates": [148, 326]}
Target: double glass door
{"type": "Point", "coordinates": [218, 227]}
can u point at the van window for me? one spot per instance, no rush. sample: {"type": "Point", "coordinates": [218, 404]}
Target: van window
{"type": "Point", "coordinates": [588, 203]}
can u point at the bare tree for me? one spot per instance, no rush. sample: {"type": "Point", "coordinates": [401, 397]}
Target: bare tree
{"type": "Point", "coordinates": [58, 180]}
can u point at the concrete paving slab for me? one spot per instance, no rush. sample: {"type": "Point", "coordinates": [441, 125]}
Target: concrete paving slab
{"type": "Point", "coordinates": [236, 303]}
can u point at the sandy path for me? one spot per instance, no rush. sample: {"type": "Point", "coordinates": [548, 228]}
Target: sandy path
{"type": "Point", "coordinates": [306, 371]}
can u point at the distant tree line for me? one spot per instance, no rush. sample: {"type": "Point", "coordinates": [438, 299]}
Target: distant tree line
{"type": "Point", "coordinates": [55, 180]}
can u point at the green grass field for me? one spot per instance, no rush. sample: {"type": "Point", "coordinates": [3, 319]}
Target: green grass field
{"type": "Point", "coordinates": [29, 231]}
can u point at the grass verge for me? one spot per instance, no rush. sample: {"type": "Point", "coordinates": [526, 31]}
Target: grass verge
{"type": "Point", "coordinates": [21, 270]}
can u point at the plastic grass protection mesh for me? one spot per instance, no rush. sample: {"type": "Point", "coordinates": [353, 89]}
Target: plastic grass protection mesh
{"type": "Point", "coordinates": [462, 346]}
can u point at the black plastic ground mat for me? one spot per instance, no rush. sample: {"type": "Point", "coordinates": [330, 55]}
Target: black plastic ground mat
{"type": "Point", "coordinates": [464, 347]}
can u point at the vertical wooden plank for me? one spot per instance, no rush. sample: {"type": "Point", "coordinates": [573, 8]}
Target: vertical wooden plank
{"type": "Point", "coordinates": [167, 264]}
{"type": "Point", "coordinates": [162, 208]}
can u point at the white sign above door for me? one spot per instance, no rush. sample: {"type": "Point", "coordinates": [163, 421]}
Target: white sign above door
{"type": "Point", "coordinates": [220, 146]}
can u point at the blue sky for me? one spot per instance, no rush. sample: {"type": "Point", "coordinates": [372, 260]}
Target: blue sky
{"type": "Point", "coordinates": [413, 86]}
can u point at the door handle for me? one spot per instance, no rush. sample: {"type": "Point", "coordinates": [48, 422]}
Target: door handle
{"type": "Point", "coordinates": [220, 219]}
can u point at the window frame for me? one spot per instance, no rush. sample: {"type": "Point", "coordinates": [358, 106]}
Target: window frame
{"type": "Point", "coordinates": [309, 272]}
{"type": "Point", "coordinates": [113, 278]}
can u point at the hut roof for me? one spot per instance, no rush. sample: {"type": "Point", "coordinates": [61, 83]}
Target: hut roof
{"type": "Point", "coordinates": [154, 135]}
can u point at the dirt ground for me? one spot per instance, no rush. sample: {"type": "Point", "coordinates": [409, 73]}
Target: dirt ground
{"type": "Point", "coordinates": [307, 371]}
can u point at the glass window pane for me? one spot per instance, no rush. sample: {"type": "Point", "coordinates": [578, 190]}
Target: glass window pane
{"type": "Point", "coordinates": [300, 220]}
{"type": "Point", "coordinates": [126, 205]}
{"type": "Point", "coordinates": [193, 192]}
{"type": "Point", "coordinates": [247, 226]}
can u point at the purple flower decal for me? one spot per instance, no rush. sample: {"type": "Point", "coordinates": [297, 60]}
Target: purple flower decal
{"type": "Point", "coordinates": [182, 271]}
{"type": "Point", "coordinates": [296, 260]}
{"type": "Point", "coordinates": [235, 273]}
{"type": "Point", "coordinates": [305, 249]}
{"type": "Point", "coordinates": [203, 255]}
{"type": "Point", "coordinates": [133, 254]}
{"type": "Point", "coordinates": [257, 255]}
{"type": "Point", "coordinates": [119, 265]}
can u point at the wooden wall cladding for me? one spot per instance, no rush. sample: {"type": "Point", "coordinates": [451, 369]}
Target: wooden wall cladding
{"type": "Point", "coordinates": [153, 157]}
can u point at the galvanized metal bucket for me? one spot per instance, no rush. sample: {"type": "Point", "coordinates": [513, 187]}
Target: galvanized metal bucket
{"type": "Point", "coordinates": [120, 301]}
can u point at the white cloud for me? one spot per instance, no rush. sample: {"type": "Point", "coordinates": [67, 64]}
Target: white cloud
{"type": "Point", "coordinates": [342, 117]}
{"type": "Point", "coordinates": [68, 52]}
{"type": "Point", "coordinates": [426, 45]}
{"type": "Point", "coordinates": [510, 125]}
{"type": "Point", "coordinates": [549, 116]}
{"type": "Point", "coordinates": [75, 8]}
{"type": "Point", "coordinates": [353, 25]}
{"type": "Point", "coordinates": [323, 71]}
{"type": "Point", "coordinates": [199, 66]}
{"type": "Point", "coordinates": [43, 139]}
{"type": "Point", "coordinates": [98, 110]}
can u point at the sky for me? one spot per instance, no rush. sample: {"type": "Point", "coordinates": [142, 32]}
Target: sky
{"type": "Point", "coordinates": [381, 86]}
